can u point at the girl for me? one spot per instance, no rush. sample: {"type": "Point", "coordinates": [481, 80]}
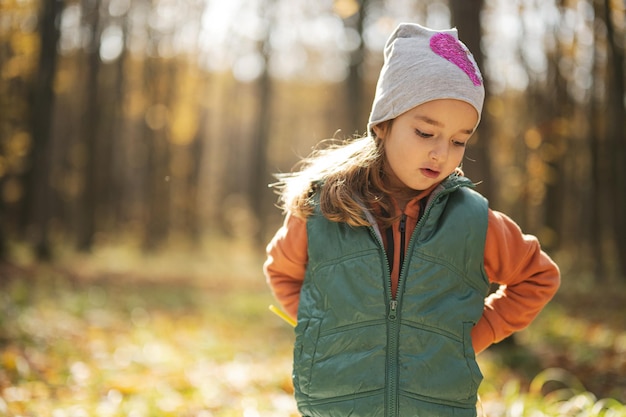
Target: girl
{"type": "Point", "coordinates": [386, 254]}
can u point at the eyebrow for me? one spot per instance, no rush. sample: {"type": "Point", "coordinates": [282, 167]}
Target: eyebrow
{"type": "Point", "coordinates": [439, 124]}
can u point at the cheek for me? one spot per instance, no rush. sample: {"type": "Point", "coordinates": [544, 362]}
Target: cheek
{"type": "Point", "coordinates": [459, 153]}
{"type": "Point", "coordinates": [395, 158]}
{"type": "Point", "coordinates": [456, 157]}
{"type": "Point", "coordinates": [400, 152]}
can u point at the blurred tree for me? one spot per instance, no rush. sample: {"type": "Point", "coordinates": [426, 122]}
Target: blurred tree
{"type": "Point", "coordinates": [599, 192]}
{"type": "Point", "coordinates": [39, 195]}
{"type": "Point", "coordinates": [145, 116]}
{"type": "Point", "coordinates": [159, 85]}
{"type": "Point", "coordinates": [543, 141]}
{"type": "Point", "coordinates": [259, 178]}
{"type": "Point", "coordinates": [354, 13]}
{"type": "Point", "coordinates": [616, 124]}
{"type": "Point", "coordinates": [89, 138]}
{"type": "Point", "coordinates": [118, 193]}
{"type": "Point", "coordinates": [466, 18]}
{"type": "Point", "coordinates": [608, 116]}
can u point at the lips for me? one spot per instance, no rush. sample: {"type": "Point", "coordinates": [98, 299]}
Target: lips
{"type": "Point", "coordinates": [429, 173]}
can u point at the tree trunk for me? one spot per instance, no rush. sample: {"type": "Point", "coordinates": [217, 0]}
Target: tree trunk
{"type": "Point", "coordinates": [39, 192]}
{"type": "Point", "coordinates": [90, 128]}
{"type": "Point", "coordinates": [354, 86]}
{"type": "Point", "coordinates": [118, 196]}
{"type": "Point", "coordinates": [616, 134]}
{"type": "Point", "coordinates": [260, 178]}
{"type": "Point", "coordinates": [160, 82]}
{"type": "Point", "coordinates": [466, 18]}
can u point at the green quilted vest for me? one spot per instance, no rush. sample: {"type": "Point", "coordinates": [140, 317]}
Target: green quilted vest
{"type": "Point", "coordinates": [358, 352]}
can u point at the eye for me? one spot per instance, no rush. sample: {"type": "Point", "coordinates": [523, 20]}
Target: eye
{"type": "Point", "coordinates": [459, 143]}
{"type": "Point", "coordinates": [423, 134]}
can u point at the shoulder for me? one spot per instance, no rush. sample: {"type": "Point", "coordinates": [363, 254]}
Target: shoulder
{"type": "Point", "coordinates": [461, 188]}
{"type": "Point", "coordinates": [505, 238]}
{"type": "Point", "coordinates": [469, 195]}
{"type": "Point", "coordinates": [510, 253]}
{"type": "Point", "coordinates": [503, 227]}
{"type": "Point", "coordinates": [468, 204]}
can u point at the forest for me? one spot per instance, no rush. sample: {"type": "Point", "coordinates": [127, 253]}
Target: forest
{"type": "Point", "coordinates": [163, 121]}
{"type": "Point", "coordinates": [138, 140]}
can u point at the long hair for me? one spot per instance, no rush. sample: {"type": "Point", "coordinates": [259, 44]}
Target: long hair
{"type": "Point", "coordinates": [349, 177]}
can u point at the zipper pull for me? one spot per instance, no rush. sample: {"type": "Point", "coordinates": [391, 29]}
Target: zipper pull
{"type": "Point", "coordinates": [403, 223]}
{"type": "Point", "coordinates": [402, 240]}
{"type": "Point", "coordinates": [393, 305]}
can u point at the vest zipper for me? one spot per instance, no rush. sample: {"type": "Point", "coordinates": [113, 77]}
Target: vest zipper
{"type": "Point", "coordinates": [393, 332]}
{"type": "Point", "coordinates": [393, 306]}
{"type": "Point", "coordinates": [393, 324]}
{"type": "Point", "coordinates": [393, 335]}
{"type": "Point", "coordinates": [393, 329]}
{"type": "Point", "coordinates": [402, 243]}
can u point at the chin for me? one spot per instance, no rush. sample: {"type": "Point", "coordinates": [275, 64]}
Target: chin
{"type": "Point", "coordinates": [420, 187]}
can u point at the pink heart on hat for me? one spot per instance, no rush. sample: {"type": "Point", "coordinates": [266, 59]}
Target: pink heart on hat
{"type": "Point", "coordinates": [449, 47]}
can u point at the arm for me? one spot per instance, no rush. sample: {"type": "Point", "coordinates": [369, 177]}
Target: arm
{"type": "Point", "coordinates": [286, 262]}
{"type": "Point", "coordinates": [527, 276]}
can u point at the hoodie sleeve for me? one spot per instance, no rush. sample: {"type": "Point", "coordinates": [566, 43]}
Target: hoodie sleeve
{"type": "Point", "coordinates": [527, 276]}
{"type": "Point", "coordinates": [285, 266]}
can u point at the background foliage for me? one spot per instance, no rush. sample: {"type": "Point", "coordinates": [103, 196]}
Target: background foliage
{"type": "Point", "coordinates": [120, 333]}
{"type": "Point", "coordinates": [162, 120]}
{"type": "Point", "coordinates": [134, 131]}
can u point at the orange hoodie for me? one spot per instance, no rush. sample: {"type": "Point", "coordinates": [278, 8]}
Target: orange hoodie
{"type": "Point", "coordinates": [527, 276]}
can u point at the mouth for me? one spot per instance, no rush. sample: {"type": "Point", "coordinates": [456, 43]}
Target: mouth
{"type": "Point", "coordinates": [429, 173]}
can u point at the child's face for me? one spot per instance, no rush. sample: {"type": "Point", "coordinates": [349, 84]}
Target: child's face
{"type": "Point", "coordinates": [425, 145]}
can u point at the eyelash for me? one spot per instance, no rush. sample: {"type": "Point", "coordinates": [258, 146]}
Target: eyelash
{"type": "Point", "coordinates": [422, 134]}
{"type": "Point", "coordinates": [428, 136]}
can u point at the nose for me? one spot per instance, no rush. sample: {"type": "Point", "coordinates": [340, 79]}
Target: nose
{"type": "Point", "coordinates": [439, 151]}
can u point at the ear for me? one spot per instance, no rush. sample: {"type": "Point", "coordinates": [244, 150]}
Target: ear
{"type": "Point", "coordinates": [380, 130]}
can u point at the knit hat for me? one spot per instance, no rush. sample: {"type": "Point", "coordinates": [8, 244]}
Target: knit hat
{"type": "Point", "coordinates": [421, 65]}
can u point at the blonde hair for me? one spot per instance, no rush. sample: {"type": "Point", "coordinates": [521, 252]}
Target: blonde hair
{"type": "Point", "coordinates": [349, 177]}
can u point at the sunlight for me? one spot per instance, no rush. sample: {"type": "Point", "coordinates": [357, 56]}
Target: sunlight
{"type": "Point", "coordinates": [216, 26]}
{"type": "Point", "coordinates": [248, 67]}
{"type": "Point", "coordinates": [438, 16]}
{"type": "Point", "coordinates": [112, 43]}
{"type": "Point", "coordinates": [118, 8]}
{"type": "Point", "coordinates": [70, 35]}
{"type": "Point", "coordinates": [218, 17]}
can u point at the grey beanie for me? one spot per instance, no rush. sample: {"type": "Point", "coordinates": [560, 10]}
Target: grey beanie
{"type": "Point", "coordinates": [420, 65]}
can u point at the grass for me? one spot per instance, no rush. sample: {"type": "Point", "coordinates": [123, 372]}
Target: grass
{"type": "Point", "coordinates": [177, 334]}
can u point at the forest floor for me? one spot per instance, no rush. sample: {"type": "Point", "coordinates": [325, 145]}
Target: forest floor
{"type": "Point", "coordinates": [121, 334]}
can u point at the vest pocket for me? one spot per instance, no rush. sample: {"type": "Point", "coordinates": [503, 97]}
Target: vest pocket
{"type": "Point", "coordinates": [350, 362]}
{"type": "Point", "coordinates": [470, 355]}
{"type": "Point", "coordinates": [303, 354]}
{"type": "Point", "coordinates": [438, 366]}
